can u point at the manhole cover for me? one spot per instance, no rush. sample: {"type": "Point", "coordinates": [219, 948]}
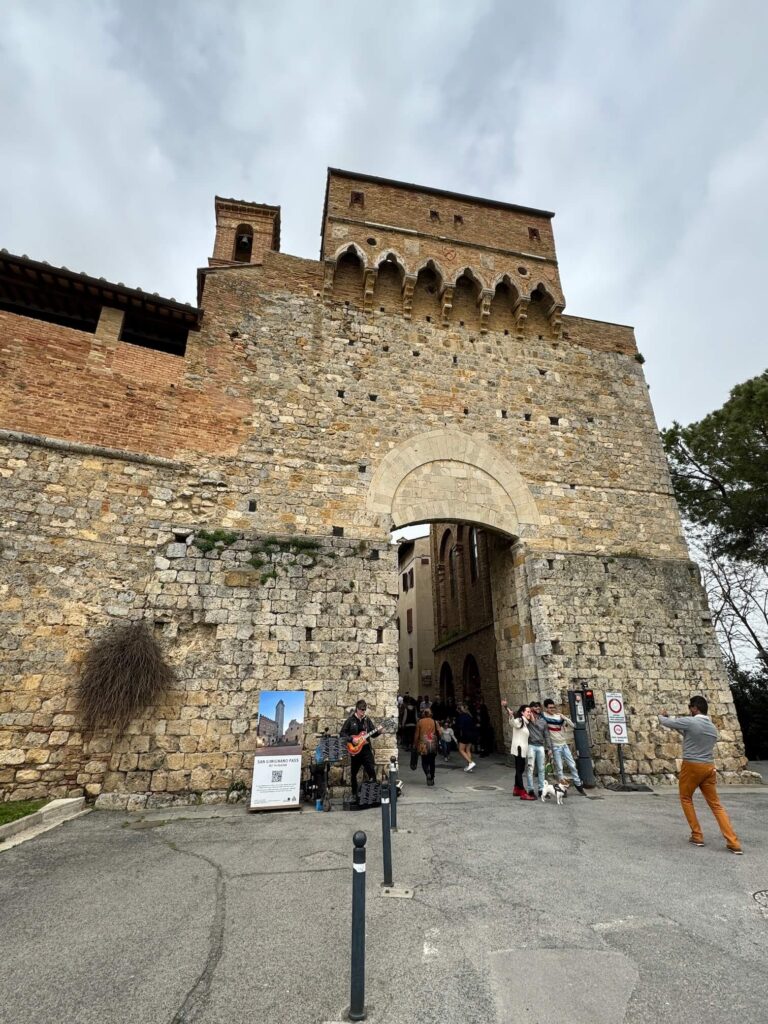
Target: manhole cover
{"type": "Point", "coordinates": [486, 789]}
{"type": "Point", "coordinates": [761, 897]}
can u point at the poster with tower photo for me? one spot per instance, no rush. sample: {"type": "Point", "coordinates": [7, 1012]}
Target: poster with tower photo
{"type": "Point", "coordinates": [277, 758]}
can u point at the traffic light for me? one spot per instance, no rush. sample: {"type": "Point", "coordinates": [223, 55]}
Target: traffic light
{"type": "Point", "coordinates": [589, 700]}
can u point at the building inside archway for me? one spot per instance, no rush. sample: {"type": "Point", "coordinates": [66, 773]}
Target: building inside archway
{"type": "Point", "coordinates": [447, 635]}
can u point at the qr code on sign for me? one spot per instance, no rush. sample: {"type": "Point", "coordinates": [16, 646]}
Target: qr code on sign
{"type": "Point", "coordinates": [277, 776]}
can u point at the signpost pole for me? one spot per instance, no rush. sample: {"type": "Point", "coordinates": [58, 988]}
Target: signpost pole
{"type": "Point", "coordinates": [621, 765]}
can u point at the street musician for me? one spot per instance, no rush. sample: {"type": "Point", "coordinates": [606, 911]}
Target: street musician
{"type": "Point", "coordinates": [357, 731]}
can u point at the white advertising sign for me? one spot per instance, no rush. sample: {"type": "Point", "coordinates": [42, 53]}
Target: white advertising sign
{"type": "Point", "coordinates": [617, 719]}
{"type": "Point", "coordinates": [276, 781]}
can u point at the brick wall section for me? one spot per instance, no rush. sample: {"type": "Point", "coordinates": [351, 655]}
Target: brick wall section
{"type": "Point", "coordinates": [483, 225]}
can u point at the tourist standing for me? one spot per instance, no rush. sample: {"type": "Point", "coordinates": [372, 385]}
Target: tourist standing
{"type": "Point", "coordinates": [465, 734]}
{"type": "Point", "coordinates": [556, 724]}
{"type": "Point", "coordinates": [519, 748]}
{"type": "Point", "coordinates": [538, 743]}
{"type": "Point", "coordinates": [698, 770]}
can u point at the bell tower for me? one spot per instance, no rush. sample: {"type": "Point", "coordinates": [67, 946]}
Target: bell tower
{"type": "Point", "coordinates": [244, 232]}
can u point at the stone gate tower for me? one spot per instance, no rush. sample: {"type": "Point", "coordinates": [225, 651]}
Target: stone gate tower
{"type": "Point", "coordinates": [423, 369]}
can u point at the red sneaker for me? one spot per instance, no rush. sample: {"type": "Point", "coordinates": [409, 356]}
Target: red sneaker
{"type": "Point", "coordinates": [517, 791]}
{"type": "Point", "coordinates": [527, 796]}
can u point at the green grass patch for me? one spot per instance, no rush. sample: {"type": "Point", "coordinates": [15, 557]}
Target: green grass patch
{"type": "Point", "coordinates": [15, 809]}
{"type": "Point", "coordinates": [207, 540]}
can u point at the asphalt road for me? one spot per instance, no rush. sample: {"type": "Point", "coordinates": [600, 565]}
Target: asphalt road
{"type": "Point", "coordinates": [596, 912]}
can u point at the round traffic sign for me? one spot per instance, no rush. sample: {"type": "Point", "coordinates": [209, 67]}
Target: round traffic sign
{"type": "Point", "coordinates": [619, 729]}
{"type": "Point", "coordinates": [615, 705]}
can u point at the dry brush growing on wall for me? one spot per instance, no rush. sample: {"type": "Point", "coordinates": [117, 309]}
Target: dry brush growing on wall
{"type": "Point", "coordinates": [123, 673]}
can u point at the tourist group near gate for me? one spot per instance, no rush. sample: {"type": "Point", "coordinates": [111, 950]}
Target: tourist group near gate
{"type": "Point", "coordinates": [200, 586]}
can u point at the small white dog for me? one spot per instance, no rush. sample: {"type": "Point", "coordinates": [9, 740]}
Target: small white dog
{"type": "Point", "coordinates": [557, 791]}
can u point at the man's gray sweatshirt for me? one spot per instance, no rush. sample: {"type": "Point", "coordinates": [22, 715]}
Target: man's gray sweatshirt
{"type": "Point", "coordinates": [538, 733]}
{"type": "Point", "coordinates": [699, 736]}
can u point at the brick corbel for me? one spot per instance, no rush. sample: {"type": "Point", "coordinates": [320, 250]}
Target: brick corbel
{"type": "Point", "coordinates": [328, 275]}
{"type": "Point", "coordinates": [553, 313]}
{"type": "Point", "coordinates": [520, 312]}
{"type": "Point", "coordinates": [484, 302]}
{"type": "Point", "coordinates": [369, 283]}
{"type": "Point", "coordinates": [409, 283]}
{"type": "Point", "coordinates": [447, 301]}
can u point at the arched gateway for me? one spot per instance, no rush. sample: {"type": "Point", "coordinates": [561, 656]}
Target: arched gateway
{"type": "Point", "coordinates": [447, 475]}
{"type": "Point", "coordinates": [228, 474]}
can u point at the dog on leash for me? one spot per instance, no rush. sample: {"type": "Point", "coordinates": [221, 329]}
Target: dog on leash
{"type": "Point", "coordinates": [558, 791]}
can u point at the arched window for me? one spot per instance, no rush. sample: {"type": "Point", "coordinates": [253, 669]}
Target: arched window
{"type": "Point", "coordinates": [243, 243]}
{"type": "Point", "coordinates": [452, 572]}
{"type": "Point", "coordinates": [474, 554]}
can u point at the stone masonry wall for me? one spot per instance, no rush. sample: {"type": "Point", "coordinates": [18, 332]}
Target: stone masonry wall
{"type": "Point", "coordinates": [636, 625]}
{"type": "Point", "coordinates": [89, 540]}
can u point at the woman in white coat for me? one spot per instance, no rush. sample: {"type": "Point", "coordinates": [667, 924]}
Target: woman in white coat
{"type": "Point", "coordinates": [519, 749]}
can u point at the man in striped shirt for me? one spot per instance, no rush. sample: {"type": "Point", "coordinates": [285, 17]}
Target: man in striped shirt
{"type": "Point", "coordinates": [560, 749]}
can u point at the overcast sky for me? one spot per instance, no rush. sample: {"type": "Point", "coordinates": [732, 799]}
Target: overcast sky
{"type": "Point", "coordinates": [643, 125]}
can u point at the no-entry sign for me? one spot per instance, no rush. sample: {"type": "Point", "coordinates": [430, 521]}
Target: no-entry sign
{"type": "Point", "coordinates": [617, 719]}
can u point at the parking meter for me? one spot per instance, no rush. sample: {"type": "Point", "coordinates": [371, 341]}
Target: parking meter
{"type": "Point", "coordinates": [578, 710]}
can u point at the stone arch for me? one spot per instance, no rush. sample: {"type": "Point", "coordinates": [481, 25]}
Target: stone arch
{"type": "Point", "coordinates": [466, 297]}
{"type": "Point", "coordinates": [427, 291]}
{"type": "Point", "coordinates": [349, 274]}
{"type": "Point", "coordinates": [392, 256]}
{"type": "Point", "coordinates": [388, 289]}
{"type": "Point", "coordinates": [473, 276]}
{"type": "Point", "coordinates": [347, 249]}
{"type": "Point", "coordinates": [447, 475]}
{"type": "Point", "coordinates": [435, 267]}
{"type": "Point", "coordinates": [506, 297]}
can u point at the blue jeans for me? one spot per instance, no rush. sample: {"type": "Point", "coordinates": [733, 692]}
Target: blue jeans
{"type": "Point", "coordinates": [563, 753]}
{"type": "Point", "coordinates": [534, 762]}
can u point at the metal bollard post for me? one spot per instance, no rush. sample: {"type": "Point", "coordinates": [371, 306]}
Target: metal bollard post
{"type": "Point", "coordinates": [386, 837]}
{"type": "Point", "coordinates": [357, 975]}
{"type": "Point", "coordinates": [393, 794]}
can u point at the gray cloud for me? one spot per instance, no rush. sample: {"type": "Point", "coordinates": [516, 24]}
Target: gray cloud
{"type": "Point", "coordinates": [644, 126]}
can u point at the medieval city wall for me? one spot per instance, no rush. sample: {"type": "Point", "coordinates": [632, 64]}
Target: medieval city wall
{"type": "Point", "coordinates": [301, 380]}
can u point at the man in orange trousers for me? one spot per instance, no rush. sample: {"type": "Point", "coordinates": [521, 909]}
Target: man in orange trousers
{"type": "Point", "coordinates": [698, 770]}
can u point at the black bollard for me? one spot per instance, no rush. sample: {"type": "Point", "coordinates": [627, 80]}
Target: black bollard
{"type": "Point", "coordinates": [386, 837]}
{"type": "Point", "coordinates": [393, 794]}
{"type": "Point", "coordinates": [357, 975]}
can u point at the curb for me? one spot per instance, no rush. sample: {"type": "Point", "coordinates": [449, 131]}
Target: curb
{"type": "Point", "coordinates": [54, 813]}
